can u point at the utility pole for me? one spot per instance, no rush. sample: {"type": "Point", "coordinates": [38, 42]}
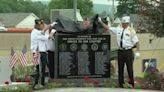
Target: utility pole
{"type": "Point", "coordinates": [112, 11]}
{"type": "Point", "coordinates": [75, 7]}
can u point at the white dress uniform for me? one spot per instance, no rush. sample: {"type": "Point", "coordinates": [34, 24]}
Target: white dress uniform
{"type": "Point", "coordinates": [50, 44]}
{"type": "Point", "coordinates": [38, 39]}
{"type": "Point", "coordinates": [126, 39]}
{"type": "Point", "coordinates": [38, 42]}
{"type": "Point", "coordinates": [129, 36]}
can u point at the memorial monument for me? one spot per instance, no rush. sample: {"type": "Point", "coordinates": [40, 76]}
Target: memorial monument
{"type": "Point", "coordinates": [80, 56]}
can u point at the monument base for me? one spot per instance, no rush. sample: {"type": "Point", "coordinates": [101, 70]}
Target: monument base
{"type": "Point", "coordinates": [13, 85]}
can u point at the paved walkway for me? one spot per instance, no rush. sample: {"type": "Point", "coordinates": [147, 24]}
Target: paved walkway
{"type": "Point", "coordinates": [95, 90]}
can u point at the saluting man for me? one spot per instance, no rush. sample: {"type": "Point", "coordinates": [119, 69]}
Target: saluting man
{"type": "Point", "coordinates": [38, 39]}
{"type": "Point", "coordinates": [126, 39]}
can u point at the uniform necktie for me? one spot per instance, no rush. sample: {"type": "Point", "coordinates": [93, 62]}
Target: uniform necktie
{"type": "Point", "coordinates": [121, 38]}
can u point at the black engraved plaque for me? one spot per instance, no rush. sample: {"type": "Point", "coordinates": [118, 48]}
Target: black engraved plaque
{"type": "Point", "coordinates": [79, 56]}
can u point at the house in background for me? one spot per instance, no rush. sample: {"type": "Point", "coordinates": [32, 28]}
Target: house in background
{"type": "Point", "coordinates": [116, 23]}
{"type": "Point", "coordinates": [18, 20]}
{"type": "Point", "coordinates": [69, 13]}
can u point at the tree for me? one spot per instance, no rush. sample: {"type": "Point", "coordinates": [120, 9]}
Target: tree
{"type": "Point", "coordinates": [105, 13]}
{"type": "Point", "coordinates": [151, 17]}
{"type": "Point", "coordinates": [24, 6]}
{"type": "Point", "coordinates": [126, 6]}
{"type": "Point", "coordinates": [85, 6]}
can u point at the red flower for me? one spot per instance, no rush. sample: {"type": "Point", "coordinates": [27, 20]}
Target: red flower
{"type": "Point", "coordinates": [160, 83]}
{"type": "Point", "coordinates": [27, 80]}
{"type": "Point", "coordinates": [96, 82]}
{"type": "Point", "coordinates": [118, 84]}
{"type": "Point", "coordinates": [17, 80]}
{"type": "Point", "coordinates": [149, 67]}
{"type": "Point", "coordinates": [147, 84]}
{"type": "Point", "coordinates": [7, 82]}
{"type": "Point", "coordinates": [107, 81]}
{"type": "Point", "coordinates": [57, 80]}
{"type": "Point", "coordinates": [50, 78]}
{"type": "Point", "coordinates": [160, 78]}
{"type": "Point", "coordinates": [154, 70]}
{"type": "Point", "coordinates": [89, 81]}
{"type": "Point", "coordinates": [128, 80]}
{"type": "Point", "coordinates": [86, 78]}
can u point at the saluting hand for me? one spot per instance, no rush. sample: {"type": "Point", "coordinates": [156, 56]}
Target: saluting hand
{"type": "Point", "coordinates": [53, 24]}
{"type": "Point", "coordinates": [137, 55]}
{"type": "Point", "coordinates": [107, 18]}
{"type": "Point", "coordinates": [99, 19]}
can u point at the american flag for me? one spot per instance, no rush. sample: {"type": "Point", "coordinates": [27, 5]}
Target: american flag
{"type": "Point", "coordinates": [13, 58]}
{"type": "Point", "coordinates": [23, 57]}
{"type": "Point", "coordinates": [36, 59]}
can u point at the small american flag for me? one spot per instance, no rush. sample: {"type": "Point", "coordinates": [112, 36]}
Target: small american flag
{"type": "Point", "coordinates": [23, 57]}
{"type": "Point", "coordinates": [36, 59]}
{"type": "Point", "coordinates": [13, 58]}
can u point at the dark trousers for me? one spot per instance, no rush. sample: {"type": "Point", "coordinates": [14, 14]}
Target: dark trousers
{"type": "Point", "coordinates": [43, 63]}
{"type": "Point", "coordinates": [51, 63]}
{"type": "Point", "coordinates": [125, 56]}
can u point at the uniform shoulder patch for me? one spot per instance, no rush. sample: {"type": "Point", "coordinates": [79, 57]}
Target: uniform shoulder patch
{"type": "Point", "coordinates": [43, 33]}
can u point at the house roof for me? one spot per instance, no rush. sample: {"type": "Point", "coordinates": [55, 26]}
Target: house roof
{"type": "Point", "coordinates": [10, 20]}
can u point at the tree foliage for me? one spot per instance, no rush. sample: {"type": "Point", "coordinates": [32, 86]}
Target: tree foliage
{"type": "Point", "coordinates": [151, 17]}
{"type": "Point", "coordinates": [85, 6]}
{"type": "Point", "coordinates": [24, 6]}
{"type": "Point", "coordinates": [126, 6]}
{"type": "Point", "coordinates": [105, 13]}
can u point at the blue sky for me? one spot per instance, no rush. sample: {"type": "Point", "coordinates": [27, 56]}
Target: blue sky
{"type": "Point", "coordinates": [94, 1]}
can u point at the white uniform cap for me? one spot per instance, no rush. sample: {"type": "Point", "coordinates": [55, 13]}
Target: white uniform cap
{"type": "Point", "coordinates": [126, 19]}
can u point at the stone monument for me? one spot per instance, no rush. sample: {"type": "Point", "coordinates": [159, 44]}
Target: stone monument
{"type": "Point", "coordinates": [80, 56]}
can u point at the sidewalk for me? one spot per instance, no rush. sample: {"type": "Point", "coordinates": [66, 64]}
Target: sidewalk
{"type": "Point", "coordinates": [95, 90]}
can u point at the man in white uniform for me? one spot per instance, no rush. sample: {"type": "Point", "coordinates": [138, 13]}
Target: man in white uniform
{"type": "Point", "coordinates": [126, 39]}
{"type": "Point", "coordinates": [38, 39]}
{"type": "Point", "coordinates": [50, 43]}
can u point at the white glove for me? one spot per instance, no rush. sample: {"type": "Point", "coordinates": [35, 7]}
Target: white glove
{"type": "Point", "coordinates": [137, 55]}
{"type": "Point", "coordinates": [99, 19]}
{"type": "Point", "coordinates": [53, 31]}
{"type": "Point", "coordinates": [53, 24]}
{"type": "Point", "coordinates": [107, 18]}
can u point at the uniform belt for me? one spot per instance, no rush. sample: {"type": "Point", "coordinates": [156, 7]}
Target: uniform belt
{"type": "Point", "coordinates": [127, 48]}
{"type": "Point", "coordinates": [44, 52]}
